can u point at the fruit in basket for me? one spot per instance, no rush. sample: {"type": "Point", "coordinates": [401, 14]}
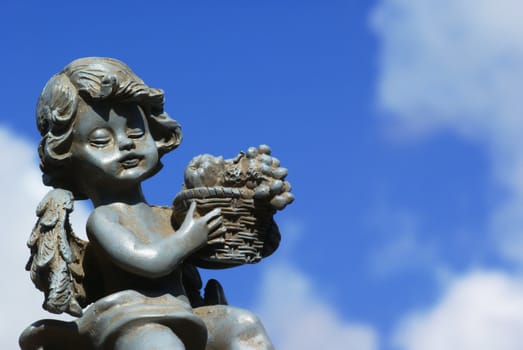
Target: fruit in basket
{"type": "Point", "coordinates": [204, 171]}
{"type": "Point", "coordinates": [248, 189]}
{"type": "Point", "coordinates": [255, 170]}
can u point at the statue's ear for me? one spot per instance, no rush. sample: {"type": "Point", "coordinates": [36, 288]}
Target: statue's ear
{"type": "Point", "coordinates": [166, 132]}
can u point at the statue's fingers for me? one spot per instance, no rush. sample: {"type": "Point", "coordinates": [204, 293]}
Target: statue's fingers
{"type": "Point", "coordinates": [192, 208]}
{"type": "Point", "coordinates": [217, 233]}
{"type": "Point", "coordinates": [216, 212]}
{"type": "Point", "coordinates": [215, 223]}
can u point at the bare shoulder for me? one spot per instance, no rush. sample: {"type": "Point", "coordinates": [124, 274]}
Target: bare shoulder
{"type": "Point", "coordinates": [162, 211]}
{"type": "Point", "coordinates": [101, 216]}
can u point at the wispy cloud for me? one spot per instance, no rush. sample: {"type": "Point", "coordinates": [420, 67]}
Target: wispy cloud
{"type": "Point", "coordinates": [458, 65]}
{"type": "Point", "coordinates": [399, 243]}
{"type": "Point", "coordinates": [21, 190]}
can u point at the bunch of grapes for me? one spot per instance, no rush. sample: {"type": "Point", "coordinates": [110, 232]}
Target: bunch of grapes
{"type": "Point", "coordinates": [266, 178]}
{"type": "Point", "coordinates": [255, 170]}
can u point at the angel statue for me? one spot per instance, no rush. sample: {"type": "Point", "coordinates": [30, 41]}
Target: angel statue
{"type": "Point", "coordinates": [134, 284]}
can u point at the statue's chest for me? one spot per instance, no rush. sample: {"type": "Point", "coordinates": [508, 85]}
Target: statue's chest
{"type": "Point", "coordinates": [148, 225]}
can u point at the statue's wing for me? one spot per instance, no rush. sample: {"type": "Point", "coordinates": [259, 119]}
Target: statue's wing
{"type": "Point", "coordinates": [57, 254]}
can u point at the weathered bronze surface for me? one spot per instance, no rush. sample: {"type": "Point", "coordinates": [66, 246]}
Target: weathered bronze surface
{"type": "Point", "coordinates": [134, 284]}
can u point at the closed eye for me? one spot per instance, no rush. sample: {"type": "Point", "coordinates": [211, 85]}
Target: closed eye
{"type": "Point", "coordinates": [100, 138]}
{"type": "Point", "coordinates": [135, 133]}
{"type": "Point", "coordinates": [99, 142]}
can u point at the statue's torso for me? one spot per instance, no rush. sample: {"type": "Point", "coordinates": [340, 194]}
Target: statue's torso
{"type": "Point", "coordinates": [149, 224]}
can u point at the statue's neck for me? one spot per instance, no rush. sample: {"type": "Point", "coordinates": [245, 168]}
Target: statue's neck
{"type": "Point", "coordinates": [130, 196]}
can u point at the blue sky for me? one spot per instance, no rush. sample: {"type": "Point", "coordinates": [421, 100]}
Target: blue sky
{"type": "Point", "coordinates": [400, 124]}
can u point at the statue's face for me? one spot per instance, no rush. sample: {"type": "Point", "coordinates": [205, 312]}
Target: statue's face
{"type": "Point", "coordinates": [112, 145]}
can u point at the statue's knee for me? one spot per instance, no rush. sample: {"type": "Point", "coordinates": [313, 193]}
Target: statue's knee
{"type": "Point", "coordinates": [232, 328]}
{"type": "Point", "coordinates": [249, 333]}
{"type": "Point", "coordinates": [248, 320]}
{"type": "Point", "coordinates": [148, 336]}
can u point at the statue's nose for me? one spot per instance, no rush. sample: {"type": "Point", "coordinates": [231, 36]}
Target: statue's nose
{"type": "Point", "coordinates": [125, 143]}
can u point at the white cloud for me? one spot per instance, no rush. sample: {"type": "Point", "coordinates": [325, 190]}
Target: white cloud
{"type": "Point", "coordinates": [452, 63]}
{"type": "Point", "coordinates": [458, 65]}
{"type": "Point", "coordinates": [21, 190]}
{"type": "Point", "coordinates": [404, 252]}
{"type": "Point", "coordinates": [298, 319]}
{"type": "Point", "coordinates": [480, 311]}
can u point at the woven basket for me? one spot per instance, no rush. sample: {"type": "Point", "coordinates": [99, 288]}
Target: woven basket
{"type": "Point", "coordinates": [249, 224]}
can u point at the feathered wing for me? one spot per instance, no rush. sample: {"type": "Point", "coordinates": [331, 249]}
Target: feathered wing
{"type": "Point", "coordinates": [57, 254]}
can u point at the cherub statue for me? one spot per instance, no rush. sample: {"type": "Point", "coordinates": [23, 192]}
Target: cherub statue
{"type": "Point", "coordinates": [134, 284]}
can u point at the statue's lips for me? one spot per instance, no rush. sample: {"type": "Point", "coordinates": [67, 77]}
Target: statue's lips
{"type": "Point", "coordinates": [131, 160]}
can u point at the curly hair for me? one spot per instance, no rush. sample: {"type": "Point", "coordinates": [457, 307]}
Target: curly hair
{"type": "Point", "coordinates": [93, 79]}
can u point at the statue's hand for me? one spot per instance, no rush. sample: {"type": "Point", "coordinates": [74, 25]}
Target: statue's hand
{"type": "Point", "coordinates": [198, 229]}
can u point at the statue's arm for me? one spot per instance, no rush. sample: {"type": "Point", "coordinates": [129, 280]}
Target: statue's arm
{"type": "Point", "coordinates": [154, 259]}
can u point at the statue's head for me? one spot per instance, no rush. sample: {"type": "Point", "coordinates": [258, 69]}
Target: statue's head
{"type": "Point", "coordinates": [97, 110]}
